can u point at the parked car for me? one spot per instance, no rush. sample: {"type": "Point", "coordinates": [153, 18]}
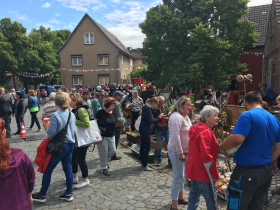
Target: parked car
{"type": "Point", "coordinates": [48, 88]}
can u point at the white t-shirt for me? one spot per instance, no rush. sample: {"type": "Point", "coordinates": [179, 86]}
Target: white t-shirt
{"type": "Point", "coordinates": [98, 88]}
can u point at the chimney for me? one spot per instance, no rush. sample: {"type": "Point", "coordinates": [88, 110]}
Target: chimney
{"type": "Point", "coordinates": [144, 42]}
{"type": "Point", "coordinates": [129, 48]}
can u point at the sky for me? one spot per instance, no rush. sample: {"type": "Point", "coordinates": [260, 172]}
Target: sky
{"type": "Point", "coordinates": [120, 17]}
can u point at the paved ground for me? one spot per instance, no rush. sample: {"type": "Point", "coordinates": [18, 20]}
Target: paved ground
{"type": "Point", "coordinates": [128, 187]}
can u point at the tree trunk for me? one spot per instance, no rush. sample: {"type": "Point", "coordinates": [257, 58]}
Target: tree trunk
{"type": "Point", "coordinates": [14, 80]}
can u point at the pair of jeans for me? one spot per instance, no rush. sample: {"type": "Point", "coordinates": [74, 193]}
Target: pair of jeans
{"type": "Point", "coordinates": [7, 120]}
{"type": "Point", "coordinates": [79, 157]}
{"type": "Point", "coordinates": [34, 119]}
{"type": "Point", "coordinates": [106, 149]}
{"type": "Point", "coordinates": [19, 120]}
{"type": "Point", "coordinates": [66, 159]}
{"type": "Point", "coordinates": [134, 117]}
{"type": "Point", "coordinates": [179, 174]}
{"type": "Point", "coordinates": [253, 182]}
{"type": "Point", "coordinates": [159, 134]}
{"type": "Point", "coordinates": [145, 148]}
{"type": "Point", "coordinates": [198, 188]}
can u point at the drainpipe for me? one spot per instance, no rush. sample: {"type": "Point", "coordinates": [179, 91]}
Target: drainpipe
{"type": "Point", "coordinates": [117, 73]}
{"type": "Point", "coordinates": [263, 69]}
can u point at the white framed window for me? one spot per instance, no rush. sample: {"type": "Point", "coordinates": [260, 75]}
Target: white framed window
{"type": "Point", "coordinates": [78, 80]}
{"type": "Point", "coordinates": [89, 38]}
{"type": "Point", "coordinates": [103, 79]}
{"type": "Point", "coordinates": [77, 60]}
{"type": "Point", "coordinates": [103, 59]}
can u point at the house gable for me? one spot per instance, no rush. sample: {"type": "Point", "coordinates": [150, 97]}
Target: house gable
{"type": "Point", "coordinates": [113, 39]}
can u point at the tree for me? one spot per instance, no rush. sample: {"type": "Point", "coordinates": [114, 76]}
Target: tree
{"type": "Point", "coordinates": [193, 43]}
{"type": "Point", "coordinates": [136, 72]}
{"type": "Point", "coordinates": [17, 47]}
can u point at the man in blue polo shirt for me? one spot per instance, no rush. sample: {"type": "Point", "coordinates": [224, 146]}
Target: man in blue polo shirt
{"type": "Point", "coordinates": [259, 133]}
{"type": "Point", "coordinates": [267, 93]}
{"type": "Point", "coordinates": [23, 93]}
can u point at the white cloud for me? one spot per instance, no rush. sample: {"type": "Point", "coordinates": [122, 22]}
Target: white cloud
{"type": "Point", "coordinates": [259, 2]}
{"type": "Point", "coordinates": [101, 5]}
{"type": "Point", "coordinates": [46, 5]}
{"type": "Point", "coordinates": [57, 14]}
{"type": "Point", "coordinates": [54, 21]}
{"type": "Point", "coordinates": [80, 5]}
{"type": "Point", "coordinates": [21, 17]}
{"type": "Point", "coordinates": [71, 26]}
{"type": "Point", "coordinates": [124, 24]}
{"type": "Point", "coordinates": [115, 1]}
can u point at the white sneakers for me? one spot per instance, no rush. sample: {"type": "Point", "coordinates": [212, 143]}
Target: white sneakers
{"type": "Point", "coordinates": [75, 180]}
{"type": "Point", "coordinates": [82, 184]}
{"type": "Point", "coordinates": [147, 168]}
{"type": "Point", "coordinates": [39, 130]}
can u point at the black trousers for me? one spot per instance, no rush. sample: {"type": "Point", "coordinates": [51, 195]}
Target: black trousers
{"type": "Point", "coordinates": [135, 116]}
{"type": "Point", "coordinates": [79, 157]}
{"type": "Point", "coordinates": [248, 186]}
{"type": "Point", "coordinates": [7, 120]}
{"type": "Point", "coordinates": [34, 118]}
{"type": "Point", "coordinates": [117, 135]}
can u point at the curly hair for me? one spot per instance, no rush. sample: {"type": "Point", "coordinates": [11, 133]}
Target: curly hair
{"type": "Point", "coordinates": [5, 150]}
{"type": "Point", "coordinates": [109, 101]}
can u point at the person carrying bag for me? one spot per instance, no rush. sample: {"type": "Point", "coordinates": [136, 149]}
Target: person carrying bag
{"type": "Point", "coordinates": [61, 130]}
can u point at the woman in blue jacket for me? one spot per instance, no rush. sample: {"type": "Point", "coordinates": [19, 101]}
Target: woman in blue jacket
{"type": "Point", "coordinates": [34, 108]}
{"type": "Point", "coordinates": [146, 128]}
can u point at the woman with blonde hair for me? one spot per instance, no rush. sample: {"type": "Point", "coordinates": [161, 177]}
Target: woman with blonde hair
{"type": "Point", "coordinates": [34, 108]}
{"type": "Point", "coordinates": [146, 128]}
{"type": "Point", "coordinates": [107, 120]}
{"type": "Point", "coordinates": [57, 122]}
{"type": "Point", "coordinates": [178, 148]}
{"type": "Point", "coordinates": [79, 153]}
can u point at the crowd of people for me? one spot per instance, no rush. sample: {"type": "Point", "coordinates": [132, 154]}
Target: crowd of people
{"type": "Point", "coordinates": [192, 149]}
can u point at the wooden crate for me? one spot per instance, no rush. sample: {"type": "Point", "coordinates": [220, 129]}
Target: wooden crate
{"type": "Point", "coordinates": [134, 139]}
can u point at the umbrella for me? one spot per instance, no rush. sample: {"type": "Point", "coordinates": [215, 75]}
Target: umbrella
{"type": "Point", "coordinates": [207, 166]}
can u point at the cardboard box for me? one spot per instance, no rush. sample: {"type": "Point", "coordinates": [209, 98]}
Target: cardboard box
{"type": "Point", "coordinates": [133, 137]}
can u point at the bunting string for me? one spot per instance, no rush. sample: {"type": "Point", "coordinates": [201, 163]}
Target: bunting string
{"type": "Point", "coordinates": [253, 53]}
{"type": "Point", "coordinates": [51, 74]}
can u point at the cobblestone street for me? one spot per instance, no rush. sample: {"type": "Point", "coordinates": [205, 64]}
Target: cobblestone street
{"type": "Point", "coordinates": [128, 187]}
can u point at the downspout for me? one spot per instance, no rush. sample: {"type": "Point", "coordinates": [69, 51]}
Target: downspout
{"type": "Point", "coordinates": [263, 69]}
{"type": "Point", "coordinates": [117, 73]}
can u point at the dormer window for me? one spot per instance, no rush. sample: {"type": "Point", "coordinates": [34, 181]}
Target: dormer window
{"type": "Point", "coordinates": [89, 38]}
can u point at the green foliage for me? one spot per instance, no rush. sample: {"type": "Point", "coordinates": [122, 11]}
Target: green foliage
{"type": "Point", "coordinates": [193, 43]}
{"type": "Point", "coordinates": [34, 53]}
{"type": "Point", "coordinates": [138, 72]}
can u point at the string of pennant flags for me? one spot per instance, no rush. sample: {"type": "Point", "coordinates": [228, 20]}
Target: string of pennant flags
{"type": "Point", "coordinates": [51, 74]}
{"type": "Point", "coordinates": [253, 53]}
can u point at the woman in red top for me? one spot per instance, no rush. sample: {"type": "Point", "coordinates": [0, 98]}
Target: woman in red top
{"type": "Point", "coordinates": [203, 148]}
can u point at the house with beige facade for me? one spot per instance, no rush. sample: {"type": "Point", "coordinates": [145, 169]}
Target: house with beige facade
{"type": "Point", "coordinates": [89, 48]}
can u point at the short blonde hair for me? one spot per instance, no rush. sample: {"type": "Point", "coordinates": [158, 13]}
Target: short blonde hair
{"type": "Point", "coordinates": [77, 98]}
{"type": "Point", "coordinates": [62, 100]}
{"type": "Point", "coordinates": [278, 99]}
{"type": "Point", "coordinates": [31, 92]}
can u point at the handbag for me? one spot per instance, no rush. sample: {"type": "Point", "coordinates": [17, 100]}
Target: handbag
{"type": "Point", "coordinates": [137, 123]}
{"type": "Point", "coordinates": [56, 144]}
{"type": "Point", "coordinates": [88, 136]}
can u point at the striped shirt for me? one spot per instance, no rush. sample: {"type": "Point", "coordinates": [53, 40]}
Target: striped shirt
{"type": "Point", "coordinates": [49, 109]}
{"type": "Point", "coordinates": [136, 104]}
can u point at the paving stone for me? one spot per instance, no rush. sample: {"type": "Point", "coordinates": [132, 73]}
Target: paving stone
{"type": "Point", "coordinates": [115, 206]}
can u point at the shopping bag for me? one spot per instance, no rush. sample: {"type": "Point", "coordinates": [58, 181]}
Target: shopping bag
{"type": "Point", "coordinates": [137, 123]}
{"type": "Point", "coordinates": [88, 136]}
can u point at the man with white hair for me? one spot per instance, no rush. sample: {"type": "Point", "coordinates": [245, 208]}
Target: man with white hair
{"type": "Point", "coordinates": [6, 111]}
{"type": "Point", "coordinates": [161, 130]}
{"type": "Point", "coordinates": [49, 107]}
{"type": "Point", "coordinates": [13, 95]}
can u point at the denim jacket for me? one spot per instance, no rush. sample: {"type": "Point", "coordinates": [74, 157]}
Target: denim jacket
{"type": "Point", "coordinates": [33, 102]}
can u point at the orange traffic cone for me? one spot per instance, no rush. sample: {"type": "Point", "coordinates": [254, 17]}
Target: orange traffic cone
{"type": "Point", "coordinates": [22, 131]}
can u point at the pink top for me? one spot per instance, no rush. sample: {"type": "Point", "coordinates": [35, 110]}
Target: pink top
{"type": "Point", "coordinates": [179, 133]}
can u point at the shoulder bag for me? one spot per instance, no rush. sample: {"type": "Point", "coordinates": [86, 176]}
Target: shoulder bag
{"type": "Point", "coordinates": [56, 144]}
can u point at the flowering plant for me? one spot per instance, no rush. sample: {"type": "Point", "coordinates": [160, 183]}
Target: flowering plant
{"type": "Point", "coordinates": [191, 96]}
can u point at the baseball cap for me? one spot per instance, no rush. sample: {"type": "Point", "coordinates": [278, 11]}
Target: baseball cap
{"type": "Point", "coordinates": [118, 93]}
